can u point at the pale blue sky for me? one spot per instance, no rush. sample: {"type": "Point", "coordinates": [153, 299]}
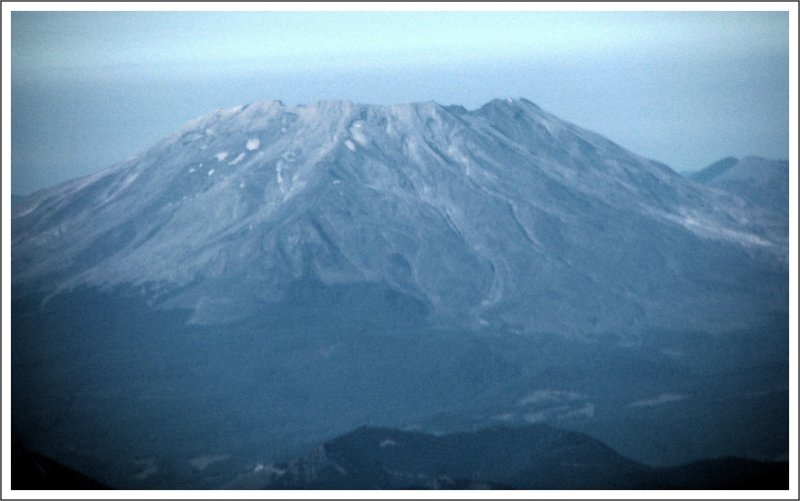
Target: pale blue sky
{"type": "Point", "coordinates": [91, 89]}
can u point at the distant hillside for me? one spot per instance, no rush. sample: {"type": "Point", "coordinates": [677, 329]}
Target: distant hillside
{"type": "Point", "coordinates": [762, 182]}
{"type": "Point", "coordinates": [714, 170]}
{"type": "Point", "coordinates": [531, 457]}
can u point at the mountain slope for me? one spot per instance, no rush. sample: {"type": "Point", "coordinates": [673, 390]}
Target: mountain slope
{"type": "Point", "coordinates": [504, 215]}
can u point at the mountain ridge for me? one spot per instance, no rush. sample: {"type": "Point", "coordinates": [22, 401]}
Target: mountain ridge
{"type": "Point", "coordinates": [536, 457]}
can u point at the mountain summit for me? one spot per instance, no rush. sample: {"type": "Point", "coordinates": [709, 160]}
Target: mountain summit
{"type": "Point", "coordinates": [504, 215]}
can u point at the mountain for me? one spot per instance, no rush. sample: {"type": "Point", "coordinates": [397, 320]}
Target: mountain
{"type": "Point", "coordinates": [269, 277]}
{"type": "Point", "coordinates": [764, 183]}
{"type": "Point", "coordinates": [532, 457]}
{"type": "Point", "coordinates": [482, 218]}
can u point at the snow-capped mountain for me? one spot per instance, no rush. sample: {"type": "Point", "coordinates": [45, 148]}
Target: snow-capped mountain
{"type": "Point", "coordinates": [503, 215]}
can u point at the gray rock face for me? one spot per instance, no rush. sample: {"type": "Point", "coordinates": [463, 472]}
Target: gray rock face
{"type": "Point", "coordinates": [500, 216]}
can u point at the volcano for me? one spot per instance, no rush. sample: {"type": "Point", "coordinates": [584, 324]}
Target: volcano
{"type": "Point", "coordinates": [502, 216]}
{"type": "Point", "coordinates": [269, 276]}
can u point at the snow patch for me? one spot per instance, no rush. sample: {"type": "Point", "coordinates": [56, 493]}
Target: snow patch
{"type": "Point", "coordinates": [706, 228]}
{"type": "Point", "coordinates": [350, 145]}
{"type": "Point", "coordinates": [268, 469]}
{"type": "Point", "coordinates": [357, 133]}
{"type": "Point", "coordinates": [279, 177]}
{"type": "Point", "coordinates": [252, 144]}
{"type": "Point", "coordinates": [387, 442]}
{"type": "Point", "coordinates": [222, 155]}
{"type": "Point", "coordinates": [237, 159]}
